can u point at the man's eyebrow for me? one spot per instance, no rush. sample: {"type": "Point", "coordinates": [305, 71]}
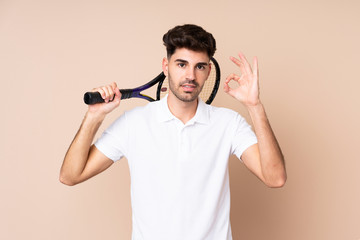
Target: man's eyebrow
{"type": "Point", "coordinates": [181, 60]}
{"type": "Point", "coordinates": [185, 61]}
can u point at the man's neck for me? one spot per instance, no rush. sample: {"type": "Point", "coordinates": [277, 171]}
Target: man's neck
{"type": "Point", "coordinates": [184, 111]}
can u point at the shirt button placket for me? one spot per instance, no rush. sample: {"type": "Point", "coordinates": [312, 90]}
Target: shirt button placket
{"type": "Point", "coordinates": [185, 144]}
{"type": "Point", "coordinates": [181, 144]}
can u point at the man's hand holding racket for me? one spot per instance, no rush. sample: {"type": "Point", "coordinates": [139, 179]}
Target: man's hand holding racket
{"type": "Point", "coordinates": [111, 96]}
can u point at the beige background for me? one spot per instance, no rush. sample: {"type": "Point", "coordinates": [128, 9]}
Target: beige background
{"type": "Point", "coordinates": [53, 51]}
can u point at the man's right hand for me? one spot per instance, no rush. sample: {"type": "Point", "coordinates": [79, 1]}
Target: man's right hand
{"type": "Point", "coordinates": [83, 160]}
{"type": "Point", "coordinates": [111, 95]}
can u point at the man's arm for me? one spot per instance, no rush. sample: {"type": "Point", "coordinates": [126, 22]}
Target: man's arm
{"type": "Point", "coordinates": [264, 159]}
{"type": "Point", "coordinates": [83, 160]}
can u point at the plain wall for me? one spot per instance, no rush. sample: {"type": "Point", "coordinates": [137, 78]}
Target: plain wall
{"type": "Point", "coordinates": [51, 52]}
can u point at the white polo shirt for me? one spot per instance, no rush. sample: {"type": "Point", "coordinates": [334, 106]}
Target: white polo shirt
{"type": "Point", "coordinates": [179, 173]}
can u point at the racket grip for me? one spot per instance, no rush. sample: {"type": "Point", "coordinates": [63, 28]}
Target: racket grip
{"type": "Point", "coordinates": [91, 98]}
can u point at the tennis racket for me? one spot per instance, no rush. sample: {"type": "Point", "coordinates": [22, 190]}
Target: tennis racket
{"type": "Point", "coordinates": [207, 94]}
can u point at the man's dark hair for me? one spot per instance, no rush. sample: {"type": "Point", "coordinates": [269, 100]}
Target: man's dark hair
{"type": "Point", "coordinates": [191, 37]}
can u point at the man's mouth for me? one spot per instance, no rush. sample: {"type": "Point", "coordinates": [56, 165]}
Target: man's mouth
{"type": "Point", "coordinates": [188, 87]}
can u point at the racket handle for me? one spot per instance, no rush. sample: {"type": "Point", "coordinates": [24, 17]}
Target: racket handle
{"type": "Point", "coordinates": [91, 98]}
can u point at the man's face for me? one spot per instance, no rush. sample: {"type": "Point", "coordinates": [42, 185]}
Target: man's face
{"type": "Point", "coordinates": [187, 72]}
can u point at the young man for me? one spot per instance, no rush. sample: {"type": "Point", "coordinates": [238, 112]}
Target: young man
{"type": "Point", "coordinates": [178, 148]}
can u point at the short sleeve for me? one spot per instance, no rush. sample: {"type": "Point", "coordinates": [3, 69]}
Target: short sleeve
{"type": "Point", "coordinates": [113, 141]}
{"type": "Point", "coordinates": [243, 138]}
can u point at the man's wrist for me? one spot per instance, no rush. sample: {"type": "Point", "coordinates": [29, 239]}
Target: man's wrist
{"type": "Point", "coordinates": [255, 107]}
{"type": "Point", "coordinates": [94, 117]}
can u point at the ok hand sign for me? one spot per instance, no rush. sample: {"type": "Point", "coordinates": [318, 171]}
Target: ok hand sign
{"type": "Point", "coordinates": [247, 91]}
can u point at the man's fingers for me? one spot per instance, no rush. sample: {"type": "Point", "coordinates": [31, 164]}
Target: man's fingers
{"type": "Point", "coordinates": [101, 91]}
{"type": "Point", "coordinates": [236, 61]}
{"type": "Point", "coordinates": [239, 64]}
{"type": "Point", "coordinates": [232, 76]}
{"type": "Point", "coordinates": [255, 68]}
{"type": "Point", "coordinates": [108, 92]}
{"type": "Point", "coordinates": [245, 63]}
{"type": "Point", "coordinates": [113, 85]}
{"type": "Point", "coordinates": [111, 93]}
{"type": "Point", "coordinates": [228, 89]}
{"type": "Point", "coordinates": [117, 93]}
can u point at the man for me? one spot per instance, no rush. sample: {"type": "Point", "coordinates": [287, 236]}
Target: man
{"type": "Point", "coordinates": [178, 148]}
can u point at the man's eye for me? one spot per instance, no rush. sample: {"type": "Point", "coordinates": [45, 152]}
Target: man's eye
{"type": "Point", "coordinates": [181, 65]}
{"type": "Point", "coordinates": [200, 67]}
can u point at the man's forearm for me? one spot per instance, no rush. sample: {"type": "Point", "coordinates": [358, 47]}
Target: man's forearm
{"type": "Point", "coordinates": [78, 152]}
{"type": "Point", "coordinates": [271, 157]}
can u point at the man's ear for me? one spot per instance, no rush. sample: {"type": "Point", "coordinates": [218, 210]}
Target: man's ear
{"type": "Point", "coordinates": [165, 64]}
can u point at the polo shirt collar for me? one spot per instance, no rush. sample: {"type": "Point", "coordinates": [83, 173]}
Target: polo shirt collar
{"type": "Point", "coordinates": [201, 115]}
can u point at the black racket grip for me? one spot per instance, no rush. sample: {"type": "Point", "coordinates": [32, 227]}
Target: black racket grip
{"type": "Point", "coordinates": [91, 98]}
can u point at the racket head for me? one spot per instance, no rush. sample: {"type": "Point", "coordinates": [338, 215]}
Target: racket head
{"type": "Point", "coordinates": [209, 89]}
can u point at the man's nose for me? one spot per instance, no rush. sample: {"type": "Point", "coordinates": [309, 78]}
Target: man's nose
{"type": "Point", "coordinates": [190, 74]}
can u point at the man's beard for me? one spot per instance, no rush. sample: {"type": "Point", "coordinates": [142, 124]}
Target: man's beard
{"type": "Point", "coordinates": [186, 96]}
